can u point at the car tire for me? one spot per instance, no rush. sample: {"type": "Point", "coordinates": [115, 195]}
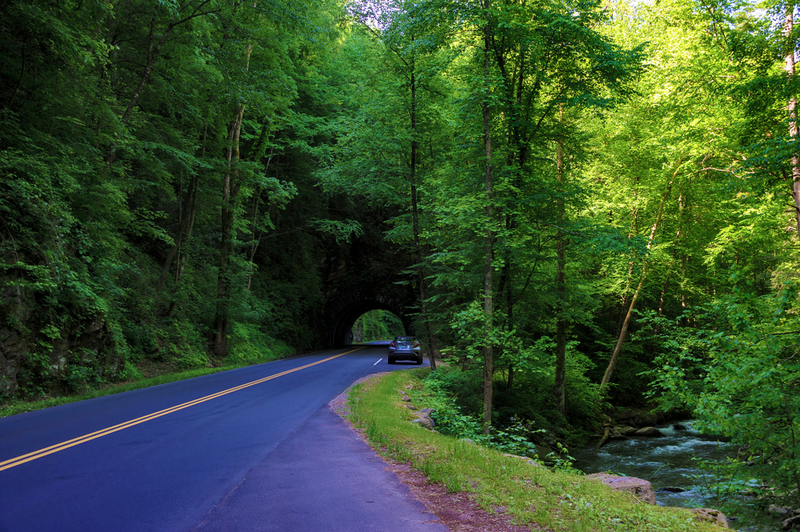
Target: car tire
{"type": "Point", "coordinates": [419, 362]}
{"type": "Point", "coordinates": [391, 360]}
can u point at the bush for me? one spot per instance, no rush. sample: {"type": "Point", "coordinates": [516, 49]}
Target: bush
{"type": "Point", "coordinates": [737, 368]}
{"type": "Point", "coordinates": [513, 438]}
{"type": "Point", "coordinates": [81, 372]}
{"type": "Point", "coordinates": [185, 346]}
{"type": "Point", "coordinates": [249, 344]}
{"type": "Point", "coordinates": [531, 397]}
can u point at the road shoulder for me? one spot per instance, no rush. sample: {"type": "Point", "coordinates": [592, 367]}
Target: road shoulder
{"type": "Point", "coordinates": [322, 477]}
{"type": "Point", "coordinates": [458, 511]}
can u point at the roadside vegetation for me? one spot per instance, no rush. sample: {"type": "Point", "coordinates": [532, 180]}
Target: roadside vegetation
{"type": "Point", "coordinates": [10, 407]}
{"type": "Point", "coordinates": [553, 499]}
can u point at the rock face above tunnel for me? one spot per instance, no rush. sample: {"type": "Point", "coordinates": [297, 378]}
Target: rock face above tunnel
{"type": "Point", "coordinates": [342, 313]}
{"type": "Point", "coordinates": [369, 274]}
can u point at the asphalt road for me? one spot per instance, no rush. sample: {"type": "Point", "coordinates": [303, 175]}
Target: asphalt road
{"type": "Point", "coordinates": [255, 448]}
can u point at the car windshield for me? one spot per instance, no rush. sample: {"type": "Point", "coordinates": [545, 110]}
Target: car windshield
{"type": "Point", "coordinates": [406, 339]}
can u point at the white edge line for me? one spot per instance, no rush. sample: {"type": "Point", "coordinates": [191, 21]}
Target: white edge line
{"type": "Point", "coordinates": [378, 362]}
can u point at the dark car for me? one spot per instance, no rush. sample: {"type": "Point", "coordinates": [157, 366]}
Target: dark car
{"type": "Point", "coordinates": [404, 348]}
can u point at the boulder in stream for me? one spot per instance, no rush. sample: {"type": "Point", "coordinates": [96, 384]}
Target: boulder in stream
{"type": "Point", "coordinates": [793, 523]}
{"type": "Point", "coordinates": [671, 489]}
{"type": "Point", "coordinates": [643, 491]}
{"type": "Point", "coordinates": [649, 432]}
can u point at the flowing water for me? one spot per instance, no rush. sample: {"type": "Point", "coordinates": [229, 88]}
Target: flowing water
{"type": "Point", "coordinates": [669, 463]}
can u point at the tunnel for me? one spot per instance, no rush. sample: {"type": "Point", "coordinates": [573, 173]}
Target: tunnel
{"type": "Point", "coordinates": [346, 315]}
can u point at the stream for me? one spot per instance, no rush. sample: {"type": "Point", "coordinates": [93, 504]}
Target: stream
{"type": "Point", "coordinates": [669, 463]}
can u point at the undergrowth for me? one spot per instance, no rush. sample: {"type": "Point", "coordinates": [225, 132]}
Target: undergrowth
{"type": "Point", "coordinates": [513, 438]}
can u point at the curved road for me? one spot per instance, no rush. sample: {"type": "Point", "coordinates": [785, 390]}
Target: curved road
{"type": "Point", "coordinates": [255, 448]}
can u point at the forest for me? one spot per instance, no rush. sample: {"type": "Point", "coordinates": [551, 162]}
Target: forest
{"type": "Point", "coordinates": [601, 197]}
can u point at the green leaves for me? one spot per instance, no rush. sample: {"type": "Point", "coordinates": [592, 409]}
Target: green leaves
{"type": "Point", "coordinates": [737, 369]}
{"type": "Point", "coordinates": [341, 230]}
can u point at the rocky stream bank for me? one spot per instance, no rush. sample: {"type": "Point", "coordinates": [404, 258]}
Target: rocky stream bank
{"type": "Point", "coordinates": [666, 456]}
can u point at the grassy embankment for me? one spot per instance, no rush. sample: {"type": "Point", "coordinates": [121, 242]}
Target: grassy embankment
{"type": "Point", "coordinates": [531, 494]}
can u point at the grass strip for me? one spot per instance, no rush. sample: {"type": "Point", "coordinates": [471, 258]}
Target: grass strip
{"type": "Point", "coordinates": [532, 494]}
{"type": "Point", "coordinates": [19, 406]}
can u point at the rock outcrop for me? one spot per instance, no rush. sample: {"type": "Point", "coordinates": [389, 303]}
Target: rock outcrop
{"type": "Point", "coordinates": [710, 515]}
{"type": "Point", "coordinates": [793, 523]}
{"type": "Point", "coordinates": [423, 418]}
{"type": "Point", "coordinates": [641, 489]}
{"type": "Point", "coordinates": [38, 358]}
{"type": "Point", "coordinates": [631, 424]}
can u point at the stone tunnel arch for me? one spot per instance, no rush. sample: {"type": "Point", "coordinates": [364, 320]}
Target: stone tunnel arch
{"type": "Point", "coordinates": [346, 311]}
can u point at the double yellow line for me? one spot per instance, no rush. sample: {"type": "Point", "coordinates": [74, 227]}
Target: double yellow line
{"type": "Point", "coordinates": [35, 455]}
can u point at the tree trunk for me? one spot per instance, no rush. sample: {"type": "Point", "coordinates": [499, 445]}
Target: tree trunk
{"type": "Point", "coordinates": [674, 254]}
{"type": "Point", "coordinates": [230, 191]}
{"type": "Point", "coordinates": [430, 336]}
{"type": "Point", "coordinates": [488, 350]}
{"type": "Point", "coordinates": [504, 292]}
{"type": "Point", "coordinates": [181, 257]}
{"type": "Point", "coordinates": [791, 108]}
{"type": "Point", "coordinates": [256, 236]}
{"type": "Point", "coordinates": [561, 322]}
{"type": "Point", "coordinates": [184, 229]}
{"type": "Point", "coordinates": [612, 364]}
{"type": "Point", "coordinates": [430, 340]}
{"type": "Point", "coordinates": [632, 230]}
{"type": "Point", "coordinates": [153, 49]}
{"type": "Point", "coordinates": [230, 188]}
{"type": "Point", "coordinates": [256, 239]}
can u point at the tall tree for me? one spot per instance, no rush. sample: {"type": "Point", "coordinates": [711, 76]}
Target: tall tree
{"type": "Point", "coordinates": [560, 390]}
{"type": "Point", "coordinates": [791, 107]}
{"type": "Point", "coordinates": [516, 93]}
{"type": "Point", "coordinates": [398, 178]}
{"type": "Point", "coordinates": [488, 245]}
